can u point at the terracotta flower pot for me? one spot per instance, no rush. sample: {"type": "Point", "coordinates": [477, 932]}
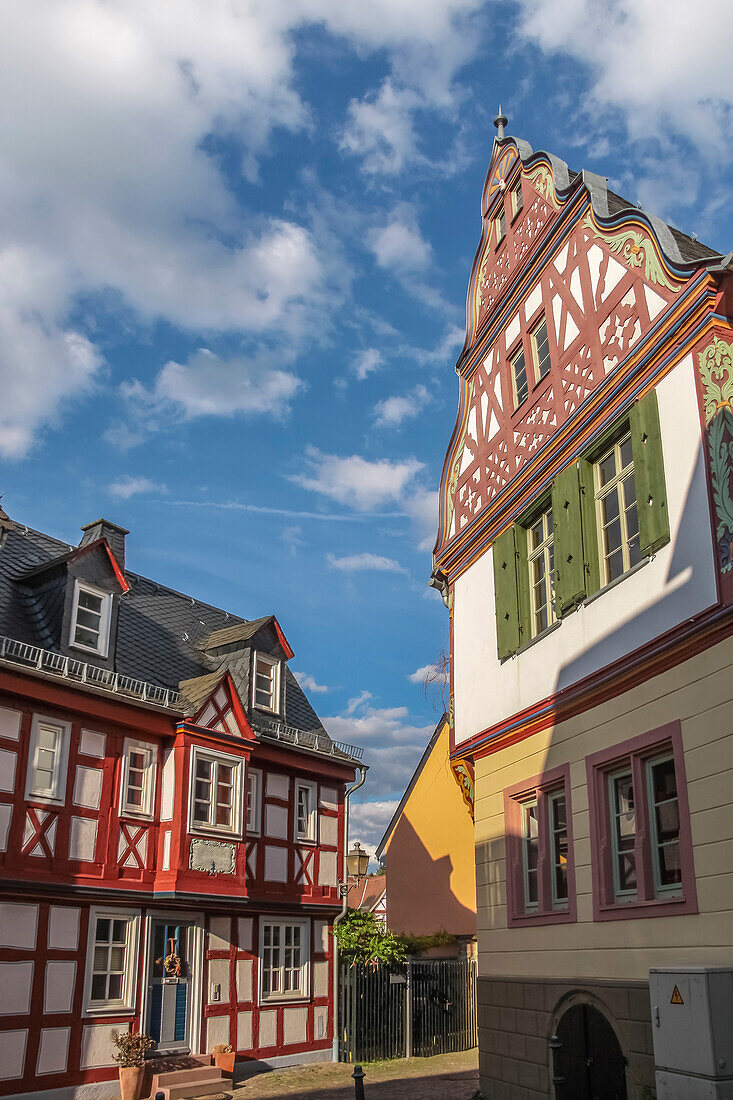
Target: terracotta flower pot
{"type": "Point", "coordinates": [132, 1080]}
{"type": "Point", "coordinates": [225, 1062]}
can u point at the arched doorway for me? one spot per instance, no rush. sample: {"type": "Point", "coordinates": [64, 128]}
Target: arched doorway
{"type": "Point", "coordinates": [588, 1061]}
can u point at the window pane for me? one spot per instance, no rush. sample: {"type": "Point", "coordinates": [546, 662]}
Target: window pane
{"type": "Point", "coordinates": [89, 601]}
{"type": "Point", "coordinates": [99, 987]}
{"type": "Point", "coordinates": [624, 823]}
{"type": "Point", "coordinates": [115, 987]}
{"type": "Point", "coordinates": [102, 930]}
{"type": "Point", "coordinates": [119, 931]}
{"type": "Point", "coordinates": [670, 869]}
{"type": "Point", "coordinates": [86, 637]}
{"type": "Point", "coordinates": [542, 349]}
{"type": "Point", "coordinates": [627, 456]}
{"type": "Point", "coordinates": [100, 958]}
{"type": "Point", "coordinates": [203, 768]}
{"type": "Point", "coordinates": [520, 377]}
{"type": "Point", "coordinates": [531, 852]}
{"type": "Point", "coordinates": [89, 619]}
{"type": "Point", "coordinates": [607, 468]}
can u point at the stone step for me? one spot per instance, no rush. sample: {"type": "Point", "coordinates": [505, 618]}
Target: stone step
{"type": "Point", "coordinates": [185, 1076]}
{"type": "Point", "coordinates": [186, 1090]}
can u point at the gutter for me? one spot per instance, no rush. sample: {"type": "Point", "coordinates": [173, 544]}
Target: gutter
{"type": "Point", "coordinates": [344, 887]}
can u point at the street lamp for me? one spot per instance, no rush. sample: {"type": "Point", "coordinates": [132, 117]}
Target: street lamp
{"type": "Point", "coordinates": [357, 861]}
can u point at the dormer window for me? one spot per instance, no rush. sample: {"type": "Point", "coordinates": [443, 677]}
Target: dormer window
{"type": "Point", "coordinates": [90, 619]}
{"type": "Point", "coordinates": [266, 688]}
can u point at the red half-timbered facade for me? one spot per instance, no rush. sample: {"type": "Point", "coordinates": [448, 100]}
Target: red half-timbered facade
{"type": "Point", "coordinates": [171, 844]}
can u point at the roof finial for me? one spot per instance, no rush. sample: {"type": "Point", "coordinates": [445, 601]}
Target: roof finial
{"type": "Point", "coordinates": [500, 122]}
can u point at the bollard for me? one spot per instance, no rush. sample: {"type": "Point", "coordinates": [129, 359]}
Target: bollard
{"type": "Point", "coordinates": [358, 1076]}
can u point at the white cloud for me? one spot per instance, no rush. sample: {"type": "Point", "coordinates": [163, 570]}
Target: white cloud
{"type": "Point", "coordinates": [367, 362]}
{"type": "Point", "coordinates": [393, 410]}
{"type": "Point", "coordinates": [664, 63]}
{"type": "Point", "coordinates": [429, 674]}
{"type": "Point", "coordinates": [128, 486]}
{"type": "Point", "coordinates": [293, 538]}
{"type": "Point", "coordinates": [381, 130]}
{"type": "Point", "coordinates": [399, 246]}
{"type": "Point", "coordinates": [309, 683]}
{"type": "Point", "coordinates": [359, 563]}
{"type": "Point", "coordinates": [209, 386]}
{"type": "Point", "coordinates": [392, 743]}
{"type": "Point", "coordinates": [422, 507]}
{"type": "Point", "coordinates": [108, 190]}
{"type": "Point", "coordinates": [368, 820]}
{"type": "Point", "coordinates": [356, 481]}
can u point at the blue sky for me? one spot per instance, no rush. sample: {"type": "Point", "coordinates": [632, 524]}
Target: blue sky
{"type": "Point", "coordinates": [235, 240]}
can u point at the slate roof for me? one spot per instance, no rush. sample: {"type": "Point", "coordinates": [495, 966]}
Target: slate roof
{"type": "Point", "coordinates": [162, 635]}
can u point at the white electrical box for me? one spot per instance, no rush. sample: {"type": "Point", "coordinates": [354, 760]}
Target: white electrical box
{"type": "Point", "coordinates": [692, 1025]}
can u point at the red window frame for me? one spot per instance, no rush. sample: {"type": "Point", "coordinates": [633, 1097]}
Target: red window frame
{"type": "Point", "coordinates": [636, 752]}
{"type": "Point", "coordinates": [540, 787]}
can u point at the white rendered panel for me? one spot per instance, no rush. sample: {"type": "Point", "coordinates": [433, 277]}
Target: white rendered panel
{"type": "Point", "coordinates": [677, 584]}
{"type": "Point", "coordinates": [12, 1053]}
{"type": "Point", "coordinates": [63, 928]}
{"type": "Point", "coordinates": [53, 1050]}
{"type": "Point", "coordinates": [329, 830]}
{"type": "Point", "coordinates": [217, 1031]}
{"type": "Point", "coordinates": [58, 992]}
{"type": "Point", "coordinates": [92, 744]}
{"type": "Point", "coordinates": [97, 1048]}
{"type": "Point", "coordinates": [18, 924]}
{"type": "Point", "coordinates": [6, 814]}
{"type": "Point", "coordinates": [244, 1031]}
{"type": "Point", "coordinates": [276, 864]}
{"type": "Point", "coordinates": [244, 980]}
{"type": "Point", "coordinates": [327, 869]}
{"type": "Point", "coordinates": [278, 786]}
{"type": "Point", "coordinates": [167, 786]}
{"type": "Point", "coordinates": [88, 787]}
{"type": "Point", "coordinates": [295, 1021]}
{"type": "Point", "coordinates": [244, 931]}
{"type": "Point", "coordinates": [82, 838]}
{"type": "Point", "coordinates": [276, 822]}
{"type": "Point", "coordinates": [268, 1029]}
{"type": "Point", "coordinates": [16, 979]}
{"type": "Point", "coordinates": [10, 723]}
{"type": "Point", "coordinates": [8, 760]}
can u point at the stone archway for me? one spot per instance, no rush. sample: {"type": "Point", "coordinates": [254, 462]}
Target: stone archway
{"type": "Point", "coordinates": [589, 1063]}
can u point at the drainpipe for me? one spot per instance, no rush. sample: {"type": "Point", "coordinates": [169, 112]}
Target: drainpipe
{"type": "Point", "coordinates": [344, 887]}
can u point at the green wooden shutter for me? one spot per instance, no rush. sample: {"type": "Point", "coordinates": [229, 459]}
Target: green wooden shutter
{"type": "Point", "coordinates": [651, 488]}
{"type": "Point", "coordinates": [569, 558]}
{"type": "Point", "coordinates": [588, 513]}
{"type": "Point", "coordinates": [525, 614]}
{"type": "Point", "coordinates": [506, 594]}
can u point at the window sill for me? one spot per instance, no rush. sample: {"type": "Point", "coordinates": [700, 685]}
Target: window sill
{"type": "Point", "coordinates": [285, 999]}
{"type": "Point", "coordinates": [266, 710]}
{"type": "Point", "coordinates": [546, 916]}
{"type": "Point", "coordinates": [679, 905]}
{"type": "Point", "coordinates": [211, 833]}
{"type": "Point", "coordinates": [109, 1010]}
{"type": "Point", "coordinates": [45, 799]}
{"type": "Point", "coordinates": [135, 815]}
{"type": "Point", "coordinates": [538, 637]}
{"type": "Point", "coordinates": [612, 584]}
{"type": "Point", "coordinates": [101, 653]}
{"type": "Point", "coordinates": [306, 840]}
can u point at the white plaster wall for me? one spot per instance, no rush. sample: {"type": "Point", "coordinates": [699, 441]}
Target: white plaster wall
{"type": "Point", "coordinates": [276, 822]}
{"type": "Point", "coordinates": [220, 933]}
{"type": "Point", "coordinates": [88, 787]}
{"type": "Point", "coordinates": [329, 830]}
{"type": "Point", "coordinates": [219, 976]}
{"type": "Point", "coordinates": [167, 786]}
{"type": "Point", "coordinates": [166, 865]}
{"type": "Point", "coordinates": [276, 864]}
{"type": "Point", "coordinates": [217, 1031]}
{"type": "Point", "coordinates": [244, 1031]}
{"type": "Point", "coordinates": [295, 1021]}
{"type": "Point", "coordinates": [320, 1022]}
{"type": "Point", "coordinates": [12, 1053]}
{"type": "Point", "coordinates": [327, 869]}
{"type": "Point", "coordinates": [82, 838]}
{"type": "Point", "coordinates": [16, 979]}
{"type": "Point", "coordinates": [97, 1048]}
{"type": "Point", "coordinates": [18, 924]}
{"type": "Point", "coordinates": [58, 992]}
{"type": "Point", "coordinates": [6, 814]}
{"type": "Point", "coordinates": [278, 786]}
{"type": "Point", "coordinates": [53, 1050]}
{"type": "Point", "coordinates": [268, 1029]}
{"type": "Point", "coordinates": [10, 723]}
{"type": "Point", "coordinates": [63, 928]}
{"type": "Point", "coordinates": [244, 928]}
{"type": "Point", "coordinates": [329, 798]}
{"type": "Point", "coordinates": [677, 584]}
{"type": "Point", "coordinates": [321, 936]}
{"type": "Point", "coordinates": [244, 980]}
{"type": "Point", "coordinates": [92, 744]}
{"type": "Point", "coordinates": [320, 979]}
{"type": "Point", "coordinates": [8, 760]}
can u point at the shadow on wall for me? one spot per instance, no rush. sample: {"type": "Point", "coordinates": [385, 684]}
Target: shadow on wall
{"type": "Point", "coordinates": [420, 900]}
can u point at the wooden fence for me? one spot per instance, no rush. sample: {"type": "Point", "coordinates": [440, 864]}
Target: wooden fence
{"type": "Point", "coordinates": [427, 1006]}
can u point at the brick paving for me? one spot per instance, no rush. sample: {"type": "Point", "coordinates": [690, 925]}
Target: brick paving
{"type": "Point", "coordinates": [444, 1077]}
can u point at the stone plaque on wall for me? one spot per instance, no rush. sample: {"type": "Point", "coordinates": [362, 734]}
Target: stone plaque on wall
{"type": "Point", "coordinates": [212, 856]}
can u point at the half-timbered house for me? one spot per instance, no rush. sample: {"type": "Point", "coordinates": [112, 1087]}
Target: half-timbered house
{"type": "Point", "coordinates": [171, 823]}
{"type": "Point", "coordinates": [584, 553]}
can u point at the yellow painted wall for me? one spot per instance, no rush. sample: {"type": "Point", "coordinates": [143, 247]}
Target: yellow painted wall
{"type": "Point", "coordinates": [431, 879]}
{"type": "Point", "coordinates": [700, 694]}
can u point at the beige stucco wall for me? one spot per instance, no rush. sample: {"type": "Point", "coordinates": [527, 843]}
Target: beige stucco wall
{"type": "Point", "coordinates": [700, 694]}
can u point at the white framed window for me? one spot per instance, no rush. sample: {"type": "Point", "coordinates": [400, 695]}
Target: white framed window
{"type": "Point", "coordinates": [216, 792]}
{"type": "Point", "coordinates": [266, 683]}
{"type": "Point", "coordinates": [284, 960]}
{"type": "Point", "coordinates": [516, 198]}
{"type": "Point", "coordinates": [618, 519]}
{"type": "Point", "coordinates": [499, 225]}
{"type": "Point", "coordinates": [305, 810]}
{"type": "Point", "coordinates": [540, 350]}
{"type": "Point", "coordinates": [664, 818]}
{"type": "Point", "coordinates": [557, 808]}
{"type": "Point", "coordinates": [90, 618]}
{"type": "Point", "coordinates": [518, 369]}
{"type": "Point", "coordinates": [254, 802]}
{"type": "Point", "coordinates": [48, 759]}
{"type": "Point", "coordinates": [137, 788]}
{"type": "Point", "coordinates": [112, 952]}
{"type": "Point", "coordinates": [530, 853]}
{"type": "Point", "coordinates": [541, 560]}
{"type": "Point", "coordinates": [622, 805]}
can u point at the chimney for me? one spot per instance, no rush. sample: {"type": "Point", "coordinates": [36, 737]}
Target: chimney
{"type": "Point", "coordinates": [115, 536]}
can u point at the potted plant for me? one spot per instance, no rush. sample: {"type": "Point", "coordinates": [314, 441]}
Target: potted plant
{"type": "Point", "coordinates": [130, 1058]}
{"type": "Point", "coordinates": [224, 1057]}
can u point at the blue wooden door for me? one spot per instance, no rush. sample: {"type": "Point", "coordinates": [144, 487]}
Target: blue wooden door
{"type": "Point", "coordinates": [170, 981]}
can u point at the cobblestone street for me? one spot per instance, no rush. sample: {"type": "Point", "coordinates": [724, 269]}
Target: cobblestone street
{"type": "Point", "coordinates": [445, 1077]}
